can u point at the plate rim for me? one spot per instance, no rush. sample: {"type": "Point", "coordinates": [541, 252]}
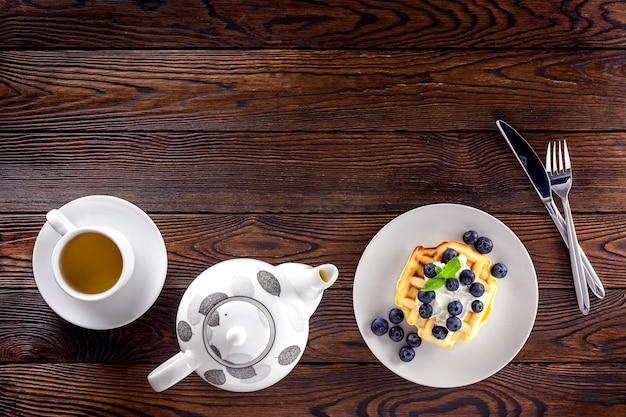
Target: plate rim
{"type": "Point", "coordinates": [529, 318]}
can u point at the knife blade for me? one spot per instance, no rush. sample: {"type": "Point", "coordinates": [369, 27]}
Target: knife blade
{"type": "Point", "coordinates": [536, 172]}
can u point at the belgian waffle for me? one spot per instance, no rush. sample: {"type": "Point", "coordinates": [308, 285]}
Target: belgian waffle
{"type": "Point", "coordinates": [412, 280]}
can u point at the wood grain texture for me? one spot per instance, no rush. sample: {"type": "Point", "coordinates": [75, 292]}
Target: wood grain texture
{"type": "Point", "coordinates": [299, 172]}
{"type": "Point", "coordinates": [276, 90]}
{"type": "Point", "coordinates": [294, 130]}
{"type": "Point", "coordinates": [123, 390]}
{"type": "Point", "coordinates": [320, 24]}
{"type": "Point", "coordinates": [195, 242]}
{"type": "Point", "coordinates": [30, 332]}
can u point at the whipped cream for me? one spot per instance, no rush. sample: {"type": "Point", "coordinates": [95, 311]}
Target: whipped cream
{"type": "Point", "coordinates": [443, 297]}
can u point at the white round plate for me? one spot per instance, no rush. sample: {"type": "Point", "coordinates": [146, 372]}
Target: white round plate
{"type": "Point", "coordinates": [144, 286]}
{"type": "Point", "coordinates": [500, 338]}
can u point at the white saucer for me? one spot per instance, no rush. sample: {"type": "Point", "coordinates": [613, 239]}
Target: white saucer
{"type": "Point", "coordinates": [144, 286]}
{"type": "Point", "coordinates": [500, 338]}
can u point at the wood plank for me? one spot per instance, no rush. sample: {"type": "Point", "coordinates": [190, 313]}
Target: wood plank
{"type": "Point", "coordinates": [275, 90]}
{"type": "Point", "coordinates": [294, 131]}
{"type": "Point", "coordinates": [92, 389]}
{"type": "Point", "coordinates": [319, 24]}
{"type": "Point", "coordinates": [30, 332]}
{"type": "Point", "coordinates": [195, 242]}
{"type": "Point", "coordinates": [299, 172]}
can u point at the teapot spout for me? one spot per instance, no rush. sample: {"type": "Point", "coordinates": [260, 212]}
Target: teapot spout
{"type": "Point", "coordinates": [309, 282]}
{"type": "Point", "coordinates": [324, 276]}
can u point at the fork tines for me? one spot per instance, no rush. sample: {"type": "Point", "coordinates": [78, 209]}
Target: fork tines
{"type": "Point", "coordinates": [564, 163]}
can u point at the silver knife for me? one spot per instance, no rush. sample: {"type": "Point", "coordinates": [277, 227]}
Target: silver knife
{"type": "Point", "coordinates": [536, 172]}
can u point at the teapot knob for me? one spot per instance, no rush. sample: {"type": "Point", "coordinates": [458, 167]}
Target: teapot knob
{"type": "Point", "coordinates": [236, 336]}
{"type": "Point", "coordinates": [239, 331]}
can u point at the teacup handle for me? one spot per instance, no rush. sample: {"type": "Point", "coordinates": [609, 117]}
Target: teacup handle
{"type": "Point", "coordinates": [172, 371]}
{"type": "Point", "coordinates": [59, 222]}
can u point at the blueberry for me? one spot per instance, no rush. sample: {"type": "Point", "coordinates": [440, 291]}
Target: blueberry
{"type": "Point", "coordinates": [426, 296]}
{"type": "Point", "coordinates": [407, 354]}
{"type": "Point", "coordinates": [396, 315]}
{"type": "Point", "coordinates": [379, 326]}
{"type": "Point", "coordinates": [426, 310]}
{"type": "Point", "coordinates": [453, 323]}
{"type": "Point", "coordinates": [477, 306]}
{"type": "Point", "coordinates": [477, 289]}
{"type": "Point", "coordinates": [449, 254]}
{"type": "Point", "coordinates": [484, 245]}
{"type": "Point", "coordinates": [470, 237]}
{"type": "Point", "coordinates": [467, 276]}
{"type": "Point", "coordinates": [396, 333]}
{"type": "Point", "coordinates": [430, 271]}
{"type": "Point", "coordinates": [455, 308]}
{"type": "Point", "coordinates": [499, 270]}
{"type": "Point", "coordinates": [440, 332]}
{"type": "Point", "coordinates": [414, 340]}
{"type": "Point", "coordinates": [452, 284]}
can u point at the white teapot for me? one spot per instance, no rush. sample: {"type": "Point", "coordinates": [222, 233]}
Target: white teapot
{"type": "Point", "coordinates": [243, 324]}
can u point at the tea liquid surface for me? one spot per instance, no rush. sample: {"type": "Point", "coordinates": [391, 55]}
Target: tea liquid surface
{"type": "Point", "coordinates": [91, 263]}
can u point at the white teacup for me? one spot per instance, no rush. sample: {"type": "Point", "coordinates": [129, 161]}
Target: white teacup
{"type": "Point", "coordinates": [90, 263]}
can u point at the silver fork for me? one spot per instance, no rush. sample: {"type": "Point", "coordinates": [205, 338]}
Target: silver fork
{"type": "Point", "coordinates": [561, 183]}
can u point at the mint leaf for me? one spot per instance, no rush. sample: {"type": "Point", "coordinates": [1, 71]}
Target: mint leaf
{"type": "Point", "coordinates": [432, 284]}
{"type": "Point", "coordinates": [438, 270]}
{"type": "Point", "coordinates": [451, 268]}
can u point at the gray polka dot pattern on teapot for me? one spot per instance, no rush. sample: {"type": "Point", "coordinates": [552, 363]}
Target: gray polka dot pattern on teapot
{"type": "Point", "coordinates": [211, 301]}
{"type": "Point", "coordinates": [216, 351]}
{"type": "Point", "coordinates": [289, 355]}
{"type": "Point", "coordinates": [215, 376]}
{"type": "Point", "coordinates": [214, 319]}
{"type": "Point", "coordinates": [193, 310]}
{"type": "Point", "coordinates": [242, 373]}
{"type": "Point", "coordinates": [262, 371]}
{"type": "Point", "coordinates": [295, 317]}
{"type": "Point", "coordinates": [184, 331]}
{"type": "Point", "coordinates": [269, 282]}
{"type": "Point", "coordinates": [242, 286]}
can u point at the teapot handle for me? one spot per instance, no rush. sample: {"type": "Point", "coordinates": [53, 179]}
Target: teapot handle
{"type": "Point", "coordinates": [172, 371]}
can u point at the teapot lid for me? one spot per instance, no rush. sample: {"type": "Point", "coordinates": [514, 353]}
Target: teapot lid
{"type": "Point", "coordinates": [239, 332]}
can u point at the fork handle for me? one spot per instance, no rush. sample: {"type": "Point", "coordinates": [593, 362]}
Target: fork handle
{"type": "Point", "coordinates": [577, 266]}
{"type": "Point", "coordinates": [593, 281]}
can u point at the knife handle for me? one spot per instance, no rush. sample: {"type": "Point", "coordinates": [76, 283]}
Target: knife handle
{"type": "Point", "coordinates": [593, 281]}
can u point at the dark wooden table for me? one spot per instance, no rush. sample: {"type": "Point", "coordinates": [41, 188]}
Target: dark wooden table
{"type": "Point", "coordinates": [293, 131]}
